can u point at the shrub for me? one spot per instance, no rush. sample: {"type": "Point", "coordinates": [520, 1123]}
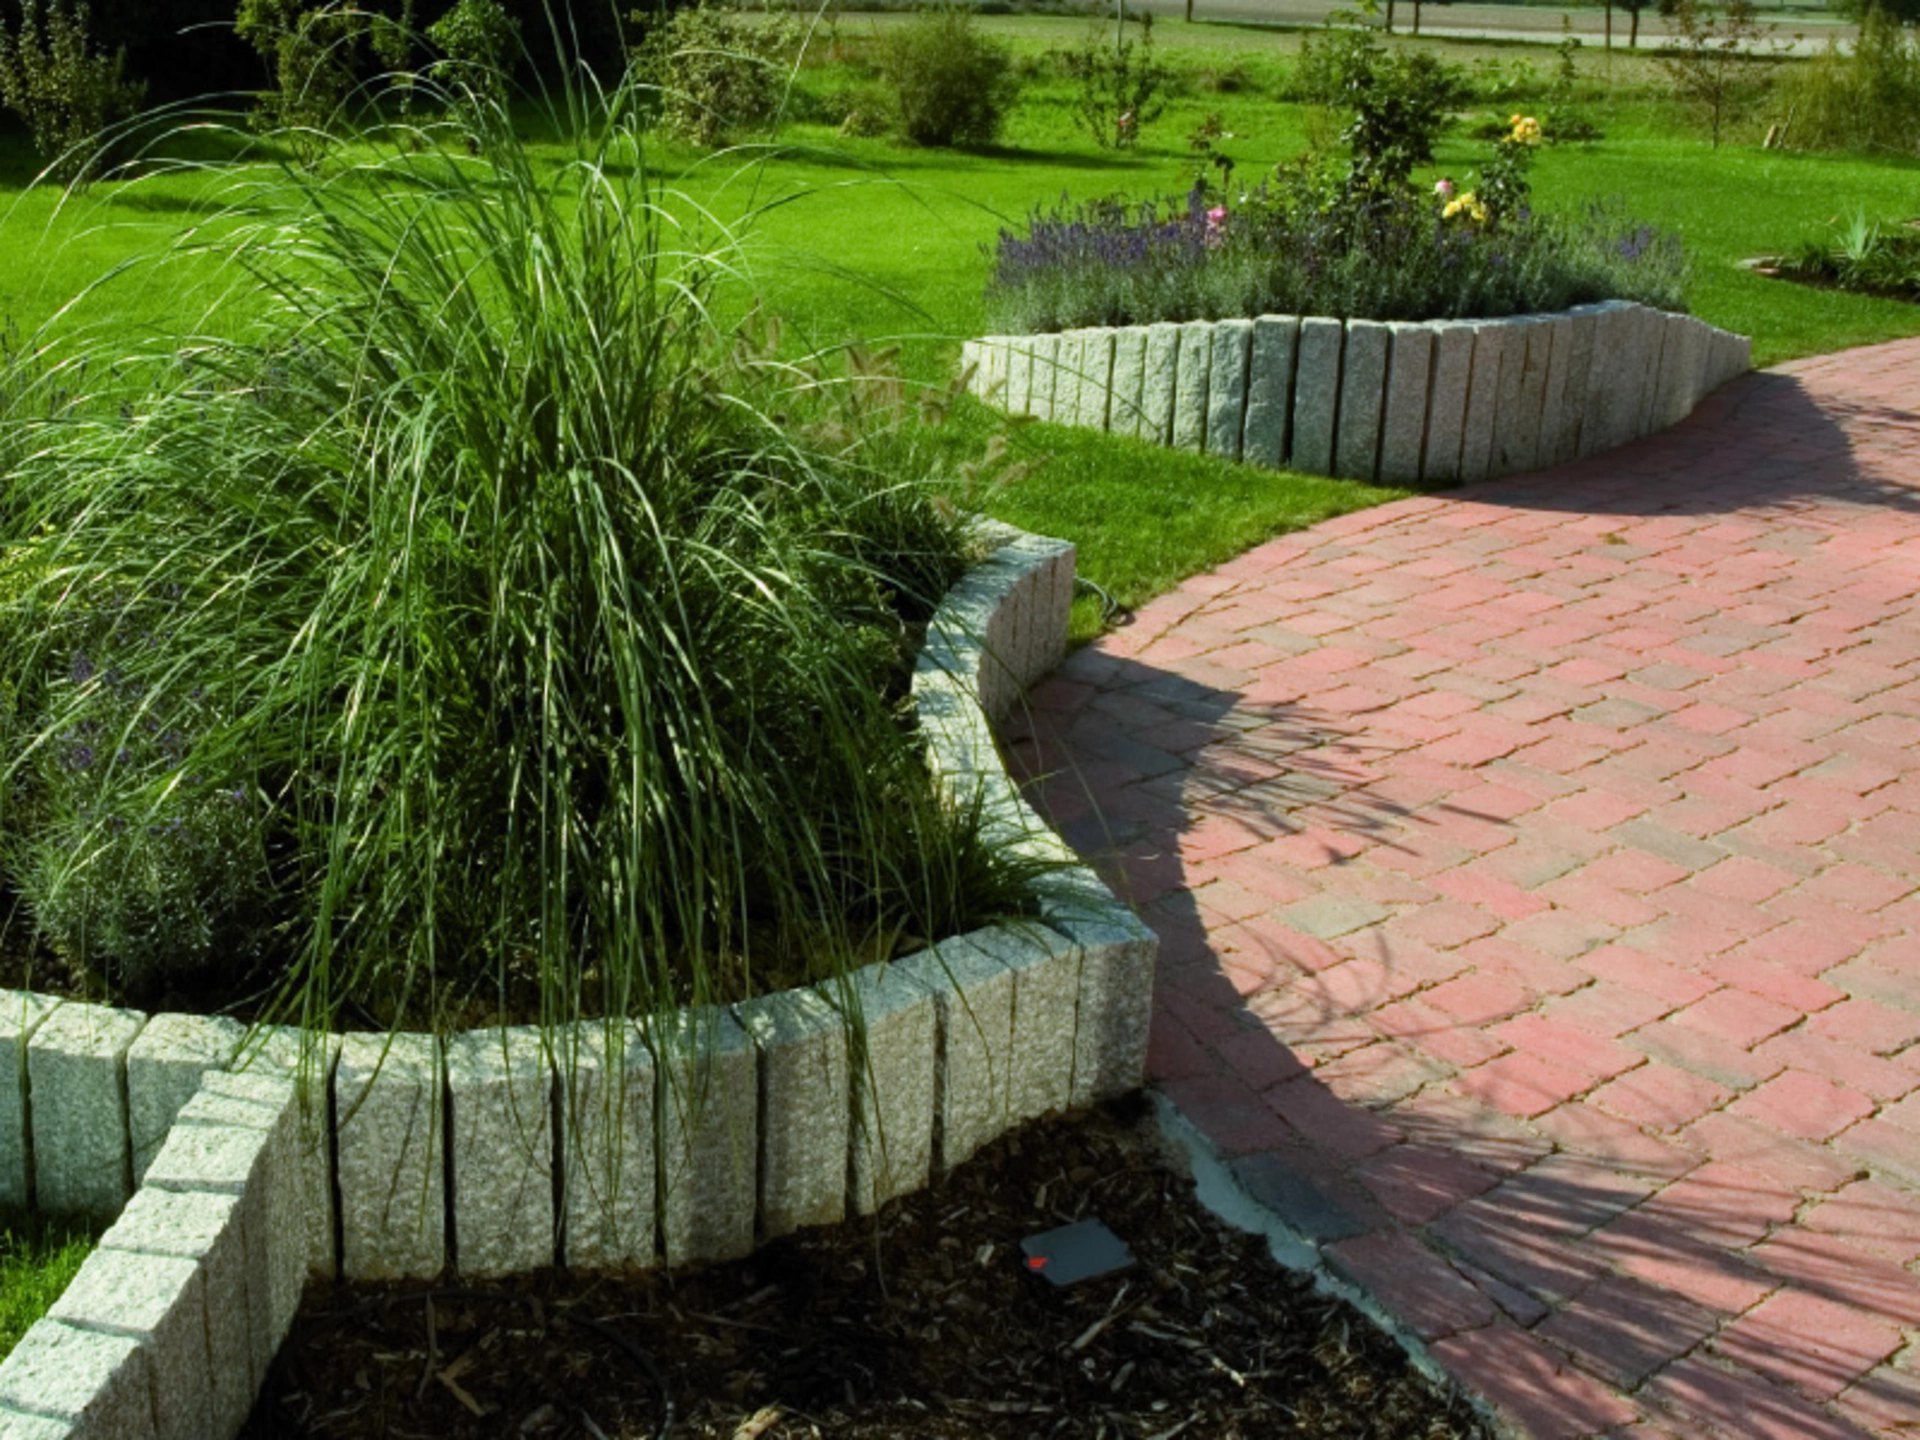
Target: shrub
{"type": "Point", "coordinates": [1399, 101]}
{"type": "Point", "coordinates": [1864, 98]}
{"type": "Point", "coordinates": [717, 73]}
{"type": "Point", "coordinates": [1314, 240]}
{"type": "Point", "coordinates": [70, 93]}
{"type": "Point", "coordinates": [477, 39]}
{"type": "Point", "coordinates": [560, 630]}
{"type": "Point", "coordinates": [316, 49]}
{"type": "Point", "coordinates": [953, 85]}
{"type": "Point", "coordinates": [1864, 255]}
{"type": "Point", "coordinates": [1711, 64]}
{"type": "Point", "coordinates": [1119, 85]}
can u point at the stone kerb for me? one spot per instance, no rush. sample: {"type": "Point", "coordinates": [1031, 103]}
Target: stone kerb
{"type": "Point", "coordinates": [167, 1330]}
{"type": "Point", "coordinates": [499, 1152]}
{"type": "Point", "coordinates": [1430, 403]}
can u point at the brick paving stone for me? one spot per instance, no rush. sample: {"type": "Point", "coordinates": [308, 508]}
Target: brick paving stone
{"type": "Point", "coordinates": [1534, 1383]}
{"type": "Point", "coordinates": [1625, 1329]}
{"type": "Point", "coordinates": [1805, 1106]}
{"type": "Point", "coordinates": [1815, 1345]}
{"type": "Point", "coordinates": [1538, 872]}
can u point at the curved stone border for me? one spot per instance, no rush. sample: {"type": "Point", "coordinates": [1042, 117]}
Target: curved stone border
{"type": "Point", "coordinates": [500, 1151]}
{"type": "Point", "coordinates": [1434, 403]}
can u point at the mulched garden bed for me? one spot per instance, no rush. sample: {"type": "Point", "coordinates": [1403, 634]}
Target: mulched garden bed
{"type": "Point", "coordinates": [926, 1324]}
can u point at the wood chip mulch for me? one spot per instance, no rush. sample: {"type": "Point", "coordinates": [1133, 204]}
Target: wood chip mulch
{"type": "Point", "coordinates": [926, 1324]}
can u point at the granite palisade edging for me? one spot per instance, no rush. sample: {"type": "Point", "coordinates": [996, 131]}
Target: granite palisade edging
{"type": "Point", "coordinates": [1431, 403]}
{"type": "Point", "coordinates": [252, 1167]}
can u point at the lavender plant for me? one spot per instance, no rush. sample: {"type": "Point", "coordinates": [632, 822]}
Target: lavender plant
{"type": "Point", "coordinates": [1321, 239]}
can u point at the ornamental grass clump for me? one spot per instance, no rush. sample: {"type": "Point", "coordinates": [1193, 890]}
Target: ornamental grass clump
{"type": "Point", "coordinates": [1319, 238]}
{"type": "Point", "coordinates": [490, 629]}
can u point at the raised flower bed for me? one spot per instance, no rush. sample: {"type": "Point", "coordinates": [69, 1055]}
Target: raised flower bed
{"type": "Point", "coordinates": [504, 1150]}
{"type": "Point", "coordinates": [1432, 402]}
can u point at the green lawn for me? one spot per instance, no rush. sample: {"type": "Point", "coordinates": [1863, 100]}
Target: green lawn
{"type": "Point", "coordinates": [864, 238]}
{"type": "Point", "coordinates": [37, 1259]}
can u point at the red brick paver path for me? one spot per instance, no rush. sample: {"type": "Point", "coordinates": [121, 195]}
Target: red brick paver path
{"type": "Point", "coordinates": [1538, 871]}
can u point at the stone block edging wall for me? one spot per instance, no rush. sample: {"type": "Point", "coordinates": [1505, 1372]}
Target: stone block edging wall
{"type": "Point", "coordinates": [239, 1173]}
{"type": "Point", "coordinates": [1436, 402]}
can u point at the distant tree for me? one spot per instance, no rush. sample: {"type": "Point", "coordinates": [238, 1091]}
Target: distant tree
{"type": "Point", "coordinates": [1711, 62]}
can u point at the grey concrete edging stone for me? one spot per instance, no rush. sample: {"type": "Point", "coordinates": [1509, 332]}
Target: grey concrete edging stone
{"type": "Point", "coordinates": [1363, 393]}
{"type": "Point", "coordinates": [500, 1098]}
{"type": "Point", "coordinates": [894, 1075]}
{"type": "Point", "coordinates": [1316, 394]}
{"type": "Point", "coordinates": [1523, 383]}
{"type": "Point", "coordinates": [1447, 402]}
{"type": "Point", "coordinates": [805, 1108]}
{"type": "Point", "coordinates": [706, 1120]}
{"type": "Point", "coordinates": [21, 1013]}
{"type": "Point", "coordinates": [1270, 389]}
{"type": "Point", "coordinates": [1159, 383]}
{"type": "Point", "coordinates": [973, 994]}
{"type": "Point", "coordinates": [1129, 371]}
{"type": "Point", "coordinates": [390, 1137]}
{"type": "Point", "coordinates": [1491, 343]}
{"type": "Point", "coordinates": [76, 1078]}
{"type": "Point", "coordinates": [208, 1229]}
{"type": "Point", "coordinates": [606, 1079]}
{"type": "Point", "coordinates": [1227, 386]}
{"type": "Point", "coordinates": [1190, 391]}
{"type": "Point", "coordinates": [1356, 398]}
{"type": "Point", "coordinates": [165, 1064]}
{"type": "Point", "coordinates": [1403, 430]}
{"type": "Point", "coordinates": [160, 1302]}
{"type": "Point", "coordinates": [98, 1384]}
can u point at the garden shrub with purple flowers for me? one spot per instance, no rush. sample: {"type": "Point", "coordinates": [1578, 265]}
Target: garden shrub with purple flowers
{"type": "Point", "coordinates": [1326, 236]}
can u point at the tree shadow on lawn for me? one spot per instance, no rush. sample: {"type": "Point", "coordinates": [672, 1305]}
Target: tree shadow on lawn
{"type": "Point", "coordinates": [1315, 1071]}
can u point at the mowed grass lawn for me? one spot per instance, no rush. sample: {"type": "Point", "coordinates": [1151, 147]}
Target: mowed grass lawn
{"type": "Point", "coordinates": [37, 1259]}
{"type": "Point", "coordinates": [864, 239]}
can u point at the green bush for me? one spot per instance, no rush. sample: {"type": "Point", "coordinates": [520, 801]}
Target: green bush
{"type": "Point", "coordinates": [1119, 85]}
{"type": "Point", "coordinates": [557, 631]}
{"type": "Point", "coordinates": [952, 85]}
{"type": "Point", "coordinates": [1864, 255]}
{"type": "Point", "coordinates": [1400, 101]}
{"type": "Point", "coordinates": [317, 50]}
{"type": "Point", "coordinates": [70, 93]}
{"type": "Point", "coordinates": [716, 73]}
{"type": "Point", "coordinates": [1866, 98]}
{"type": "Point", "coordinates": [476, 39]}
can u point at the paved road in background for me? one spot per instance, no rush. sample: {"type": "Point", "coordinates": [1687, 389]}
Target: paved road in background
{"type": "Point", "coordinates": [1801, 34]}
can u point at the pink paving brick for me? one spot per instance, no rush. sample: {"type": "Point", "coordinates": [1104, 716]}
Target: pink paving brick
{"type": "Point", "coordinates": [1534, 1383]}
{"type": "Point", "coordinates": [1418, 1182]}
{"type": "Point", "coordinates": [1523, 1085]}
{"type": "Point", "coordinates": [1811, 1344]}
{"type": "Point", "coordinates": [1804, 1106]}
{"type": "Point", "coordinates": [1737, 1017]}
{"type": "Point", "coordinates": [1623, 1330]}
{"type": "Point", "coordinates": [1660, 1097]}
{"type": "Point", "coordinates": [1563, 896]}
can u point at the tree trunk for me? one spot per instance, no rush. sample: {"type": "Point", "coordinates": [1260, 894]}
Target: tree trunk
{"type": "Point", "coordinates": [1416, 17]}
{"type": "Point", "coordinates": [1389, 17]}
{"type": "Point", "coordinates": [1609, 21]}
{"type": "Point", "coordinates": [1189, 12]}
{"type": "Point", "coordinates": [1633, 30]}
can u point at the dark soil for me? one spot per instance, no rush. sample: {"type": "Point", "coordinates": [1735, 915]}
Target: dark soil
{"type": "Point", "coordinates": [926, 1324]}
